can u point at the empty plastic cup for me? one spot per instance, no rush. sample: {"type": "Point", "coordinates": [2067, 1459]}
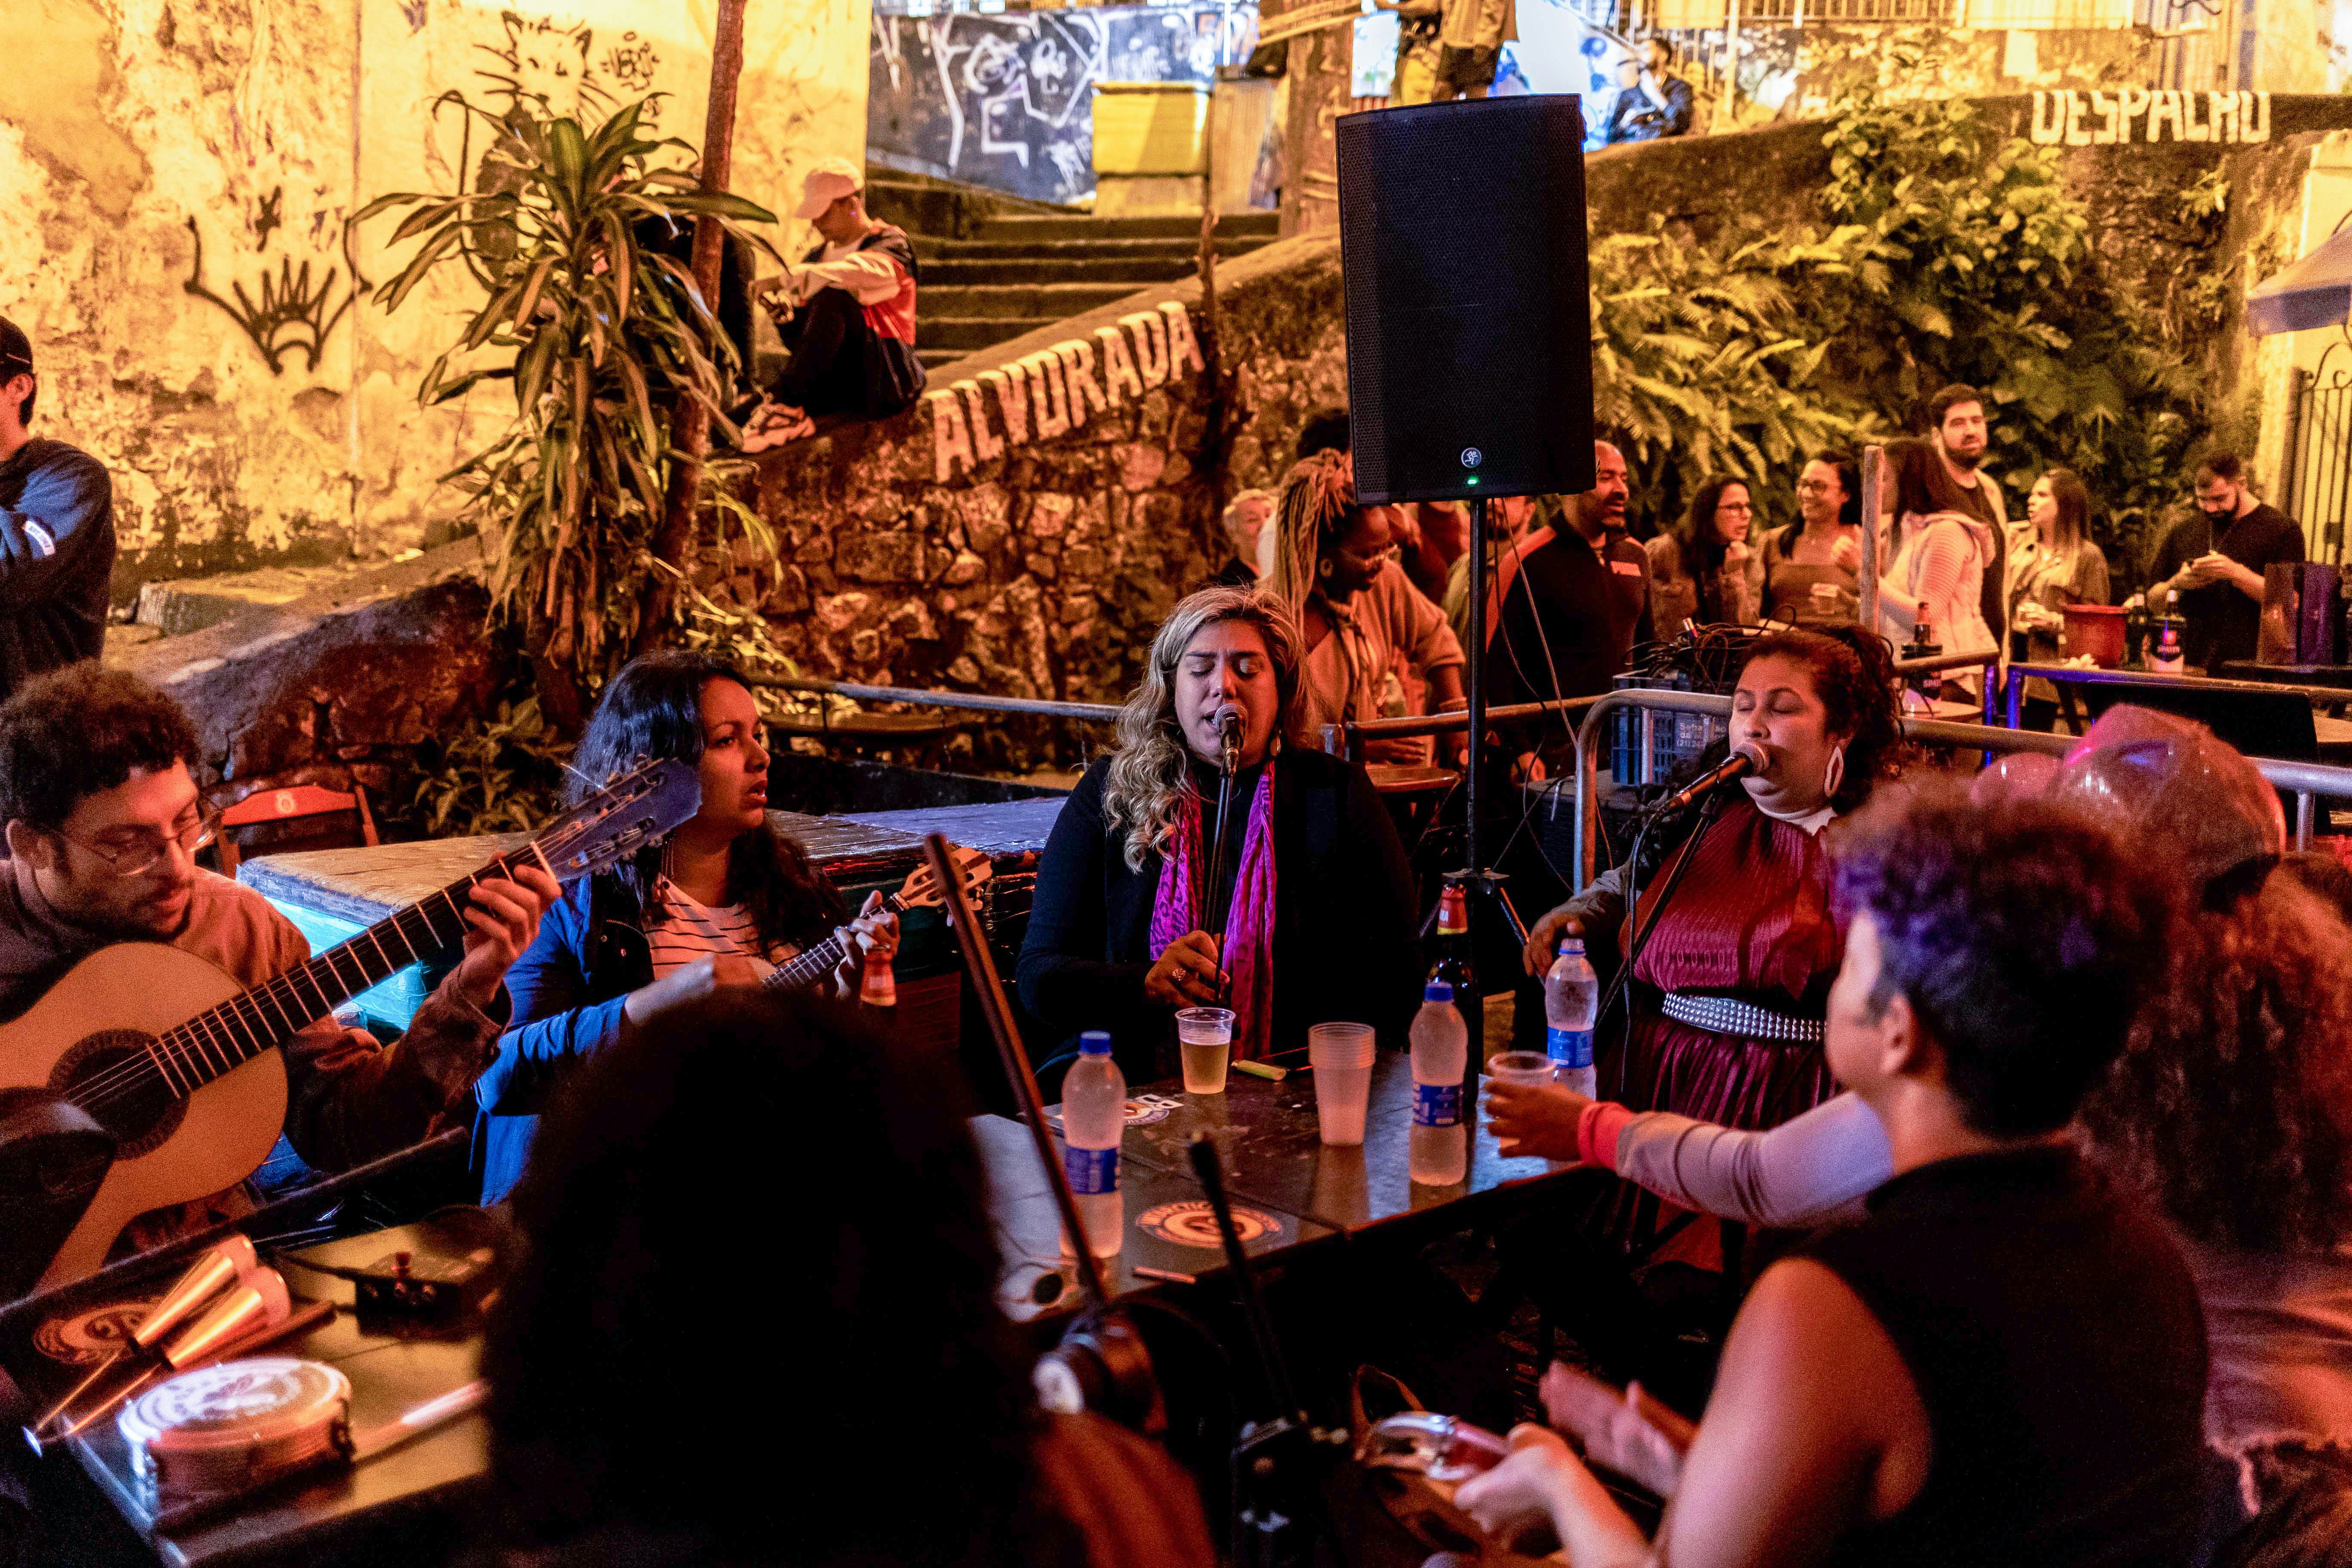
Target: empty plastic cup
{"type": "Point", "coordinates": [1519, 1066]}
{"type": "Point", "coordinates": [1341, 1056]}
{"type": "Point", "coordinates": [1206, 1036]}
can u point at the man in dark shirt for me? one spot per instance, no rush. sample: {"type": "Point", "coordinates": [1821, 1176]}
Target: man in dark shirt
{"type": "Point", "coordinates": [1568, 604]}
{"type": "Point", "coordinates": [1955, 421]}
{"type": "Point", "coordinates": [1657, 105]}
{"type": "Point", "coordinates": [2004, 1362]}
{"type": "Point", "coordinates": [57, 535]}
{"type": "Point", "coordinates": [2215, 560]}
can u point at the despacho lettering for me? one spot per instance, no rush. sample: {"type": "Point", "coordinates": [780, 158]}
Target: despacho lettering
{"type": "Point", "coordinates": [2101, 118]}
{"type": "Point", "coordinates": [1055, 390]}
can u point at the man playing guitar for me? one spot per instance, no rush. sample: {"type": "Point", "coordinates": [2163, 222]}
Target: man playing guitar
{"type": "Point", "coordinates": [103, 822]}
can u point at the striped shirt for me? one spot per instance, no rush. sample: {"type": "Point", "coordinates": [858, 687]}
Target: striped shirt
{"type": "Point", "coordinates": [688, 930]}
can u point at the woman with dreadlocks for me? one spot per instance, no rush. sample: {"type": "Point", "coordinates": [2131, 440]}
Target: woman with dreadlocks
{"type": "Point", "coordinates": [1365, 628]}
{"type": "Point", "coordinates": [1304, 914]}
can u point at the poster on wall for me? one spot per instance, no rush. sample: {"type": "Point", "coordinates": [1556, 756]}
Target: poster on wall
{"type": "Point", "coordinates": [1006, 100]}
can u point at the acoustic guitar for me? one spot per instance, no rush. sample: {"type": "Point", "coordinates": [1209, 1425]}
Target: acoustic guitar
{"type": "Point", "coordinates": [920, 890]}
{"type": "Point", "coordinates": [168, 1055]}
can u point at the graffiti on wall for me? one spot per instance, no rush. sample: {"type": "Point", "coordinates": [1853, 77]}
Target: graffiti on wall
{"type": "Point", "coordinates": [1006, 100]}
{"type": "Point", "coordinates": [1050, 393]}
{"type": "Point", "coordinates": [2102, 118]}
{"type": "Point", "coordinates": [286, 311]}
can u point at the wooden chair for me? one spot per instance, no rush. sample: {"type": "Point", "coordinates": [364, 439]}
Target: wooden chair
{"type": "Point", "coordinates": [285, 805]}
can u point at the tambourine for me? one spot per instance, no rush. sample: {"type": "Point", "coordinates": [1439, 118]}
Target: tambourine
{"type": "Point", "coordinates": [225, 1427]}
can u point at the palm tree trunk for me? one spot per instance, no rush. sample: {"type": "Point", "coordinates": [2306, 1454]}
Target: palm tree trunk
{"type": "Point", "coordinates": [674, 545]}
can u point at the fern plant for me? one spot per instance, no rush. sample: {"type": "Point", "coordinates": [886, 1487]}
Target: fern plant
{"type": "Point", "coordinates": [604, 340]}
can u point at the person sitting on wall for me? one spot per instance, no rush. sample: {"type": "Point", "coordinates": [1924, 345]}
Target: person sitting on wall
{"type": "Point", "coordinates": [847, 316]}
{"type": "Point", "coordinates": [1657, 105]}
{"type": "Point", "coordinates": [57, 535]}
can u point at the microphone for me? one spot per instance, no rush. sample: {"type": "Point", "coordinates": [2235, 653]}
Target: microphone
{"type": "Point", "coordinates": [1745, 760]}
{"type": "Point", "coordinates": [1229, 733]}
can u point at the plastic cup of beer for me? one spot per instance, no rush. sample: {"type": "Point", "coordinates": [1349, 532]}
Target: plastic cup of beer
{"type": "Point", "coordinates": [1206, 1038]}
{"type": "Point", "coordinates": [1341, 1056]}
{"type": "Point", "coordinates": [1519, 1066]}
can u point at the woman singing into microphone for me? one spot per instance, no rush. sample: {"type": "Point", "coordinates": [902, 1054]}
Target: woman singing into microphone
{"type": "Point", "coordinates": [1731, 979]}
{"type": "Point", "coordinates": [1313, 901]}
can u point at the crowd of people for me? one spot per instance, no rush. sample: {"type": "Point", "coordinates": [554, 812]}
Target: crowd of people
{"type": "Point", "coordinates": [1970, 1177]}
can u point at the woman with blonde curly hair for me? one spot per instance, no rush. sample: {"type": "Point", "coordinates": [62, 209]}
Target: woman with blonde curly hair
{"type": "Point", "coordinates": [1313, 901]}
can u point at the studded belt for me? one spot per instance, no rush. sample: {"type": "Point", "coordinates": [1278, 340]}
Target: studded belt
{"type": "Point", "coordinates": [1729, 1016]}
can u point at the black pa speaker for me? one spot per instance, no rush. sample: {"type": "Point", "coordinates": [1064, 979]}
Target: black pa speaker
{"type": "Point", "coordinates": [1462, 247]}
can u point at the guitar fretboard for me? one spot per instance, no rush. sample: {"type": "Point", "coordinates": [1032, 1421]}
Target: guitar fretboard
{"type": "Point", "coordinates": [805, 968]}
{"type": "Point", "coordinates": [212, 1043]}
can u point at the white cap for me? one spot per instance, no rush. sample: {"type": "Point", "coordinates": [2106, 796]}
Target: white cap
{"type": "Point", "coordinates": [831, 180]}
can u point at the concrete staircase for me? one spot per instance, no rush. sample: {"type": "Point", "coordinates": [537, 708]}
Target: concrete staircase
{"type": "Point", "coordinates": [1022, 271]}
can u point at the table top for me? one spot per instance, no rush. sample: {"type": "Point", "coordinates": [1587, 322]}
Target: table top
{"type": "Point", "coordinates": [387, 1375]}
{"type": "Point", "coordinates": [1169, 1225]}
{"type": "Point", "coordinates": [1271, 1146]}
{"type": "Point", "coordinates": [1296, 1191]}
{"type": "Point", "coordinates": [1392, 778]}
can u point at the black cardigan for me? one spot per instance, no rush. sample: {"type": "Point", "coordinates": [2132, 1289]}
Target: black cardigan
{"type": "Point", "coordinates": [1345, 938]}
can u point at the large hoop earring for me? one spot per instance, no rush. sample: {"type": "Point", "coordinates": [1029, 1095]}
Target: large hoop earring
{"type": "Point", "coordinates": [1834, 775]}
{"type": "Point", "coordinates": [1323, 567]}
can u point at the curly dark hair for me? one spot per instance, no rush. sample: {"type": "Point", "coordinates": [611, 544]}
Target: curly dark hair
{"type": "Point", "coordinates": [2233, 1109]}
{"type": "Point", "coordinates": [626, 1402]}
{"type": "Point", "coordinates": [652, 709]}
{"type": "Point", "coordinates": [2025, 938]}
{"type": "Point", "coordinates": [74, 732]}
{"type": "Point", "coordinates": [1853, 675]}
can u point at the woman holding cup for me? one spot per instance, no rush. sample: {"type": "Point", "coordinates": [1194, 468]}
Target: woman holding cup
{"type": "Point", "coordinates": [1304, 914]}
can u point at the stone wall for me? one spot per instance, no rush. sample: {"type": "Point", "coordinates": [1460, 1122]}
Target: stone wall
{"type": "Point", "coordinates": [959, 546]}
{"type": "Point", "coordinates": [342, 684]}
{"type": "Point", "coordinates": [178, 173]}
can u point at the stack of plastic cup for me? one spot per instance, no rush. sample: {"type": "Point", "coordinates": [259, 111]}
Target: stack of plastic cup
{"type": "Point", "coordinates": [1205, 1035]}
{"type": "Point", "coordinates": [1341, 1056]}
{"type": "Point", "coordinates": [1519, 1066]}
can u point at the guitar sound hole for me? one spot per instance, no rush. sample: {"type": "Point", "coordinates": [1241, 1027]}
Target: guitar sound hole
{"type": "Point", "coordinates": [111, 1076]}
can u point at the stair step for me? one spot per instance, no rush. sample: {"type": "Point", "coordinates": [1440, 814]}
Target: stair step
{"type": "Point", "coordinates": [1128, 272]}
{"type": "Point", "coordinates": [1026, 227]}
{"type": "Point", "coordinates": [1174, 248]}
{"type": "Point", "coordinates": [1050, 300]}
{"type": "Point", "coordinates": [966, 334]}
{"type": "Point", "coordinates": [934, 358]}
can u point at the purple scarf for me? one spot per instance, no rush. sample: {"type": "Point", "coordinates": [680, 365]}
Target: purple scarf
{"type": "Point", "coordinates": [1249, 926]}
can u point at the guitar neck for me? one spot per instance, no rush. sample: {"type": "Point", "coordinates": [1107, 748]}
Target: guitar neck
{"type": "Point", "coordinates": [241, 1028]}
{"type": "Point", "coordinates": [805, 968]}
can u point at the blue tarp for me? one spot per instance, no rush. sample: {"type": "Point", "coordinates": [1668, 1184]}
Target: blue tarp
{"type": "Point", "coordinates": [2316, 292]}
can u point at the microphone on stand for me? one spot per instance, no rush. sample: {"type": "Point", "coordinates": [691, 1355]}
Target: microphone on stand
{"type": "Point", "coordinates": [1744, 761]}
{"type": "Point", "coordinates": [1229, 735]}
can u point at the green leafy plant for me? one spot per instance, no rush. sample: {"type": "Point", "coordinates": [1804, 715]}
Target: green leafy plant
{"type": "Point", "coordinates": [603, 338]}
{"type": "Point", "coordinates": [504, 776]}
{"type": "Point", "coordinates": [1701, 364]}
{"type": "Point", "coordinates": [1946, 252]}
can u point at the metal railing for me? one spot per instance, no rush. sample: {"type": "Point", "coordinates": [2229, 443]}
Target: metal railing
{"type": "Point", "coordinates": [2305, 780]}
{"type": "Point", "coordinates": [970, 702]}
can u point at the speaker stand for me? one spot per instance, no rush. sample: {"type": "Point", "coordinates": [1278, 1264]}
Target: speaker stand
{"type": "Point", "coordinates": [1482, 884]}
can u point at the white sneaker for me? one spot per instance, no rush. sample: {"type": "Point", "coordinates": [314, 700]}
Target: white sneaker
{"type": "Point", "coordinates": [772, 424]}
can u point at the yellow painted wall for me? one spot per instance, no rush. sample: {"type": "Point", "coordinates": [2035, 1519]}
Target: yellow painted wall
{"type": "Point", "coordinates": [133, 132]}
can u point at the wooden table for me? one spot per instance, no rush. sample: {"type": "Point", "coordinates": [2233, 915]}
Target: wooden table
{"type": "Point", "coordinates": [328, 1516]}
{"type": "Point", "coordinates": [1168, 1226]}
{"type": "Point", "coordinates": [1277, 1164]}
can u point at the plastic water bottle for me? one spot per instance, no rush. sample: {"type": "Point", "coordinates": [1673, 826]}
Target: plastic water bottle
{"type": "Point", "coordinates": [1571, 1005]}
{"type": "Point", "coordinates": [1440, 1151]}
{"type": "Point", "coordinates": [1094, 1114]}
